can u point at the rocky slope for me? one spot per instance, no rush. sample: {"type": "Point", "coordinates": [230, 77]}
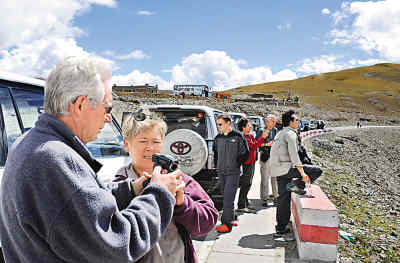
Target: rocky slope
{"type": "Point", "coordinates": [362, 178]}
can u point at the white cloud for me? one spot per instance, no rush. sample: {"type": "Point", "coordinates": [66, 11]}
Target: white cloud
{"type": "Point", "coordinates": [40, 56]}
{"type": "Point", "coordinates": [372, 26]}
{"type": "Point", "coordinates": [136, 54]}
{"type": "Point", "coordinates": [145, 13]}
{"type": "Point", "coordinates": [109, 3]}
{"type": "Point", "coordinates": [34, 35]}
{"type": "Point", "coordinates": [213, 68]}
{"type": "Point", "coordinates": [284, 27]}
{"type": "Point", "coordinates": [325, 11]}
{"type": "Point", "coordinates": [141, 78]}
{"type": "Point", "coordinates": [320, 64]}
{"type": "Point", "coordinates": [220, 71]}
{"type": "Point", "coordinates": [331, 63]}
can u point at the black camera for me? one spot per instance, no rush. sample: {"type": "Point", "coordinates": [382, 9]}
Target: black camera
{"type": "Point", "coordinates": [166, 162]}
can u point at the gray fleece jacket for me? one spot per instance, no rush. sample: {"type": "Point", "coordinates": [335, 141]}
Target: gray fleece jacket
{"type": "Point", "coordinates": [54, 209]}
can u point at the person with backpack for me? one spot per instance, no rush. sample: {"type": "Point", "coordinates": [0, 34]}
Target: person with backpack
{"type": "Point", "coordinates": [285, 163]}
{"type": "Point", "coordinates": [250, 164]}
{"type": "Point", "coordinates": [230, 152]}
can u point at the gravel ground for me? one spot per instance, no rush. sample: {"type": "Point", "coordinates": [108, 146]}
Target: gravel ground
{"type": "Point", "coordinates": [362, 178]}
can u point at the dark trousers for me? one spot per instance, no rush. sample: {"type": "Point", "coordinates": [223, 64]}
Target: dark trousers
{"type": "Point", "coordinates": [228, 185]}
{"type": "Point", "coordinates": [245, 184]}
{"type": "Point", "coordinates": [283, 211]}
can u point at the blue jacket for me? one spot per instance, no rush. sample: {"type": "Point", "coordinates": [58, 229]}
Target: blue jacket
{"type": "Point", "coordinates": [54, 209]}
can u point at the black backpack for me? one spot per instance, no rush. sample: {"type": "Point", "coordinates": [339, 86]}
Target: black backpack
{"type": "Point", "coordinates": [304, 158]}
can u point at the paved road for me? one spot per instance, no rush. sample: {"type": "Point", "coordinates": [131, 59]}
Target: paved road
{"type": "Point", "coordinates": [251, 241]}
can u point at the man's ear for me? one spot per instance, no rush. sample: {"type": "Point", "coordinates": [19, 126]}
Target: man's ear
{"type": "Point", "coordinates": [78, 105]}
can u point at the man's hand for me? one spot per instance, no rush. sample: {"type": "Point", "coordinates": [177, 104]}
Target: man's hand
{"type": "Point", "coordinates": [169, 181]}
{"type": "Point", "coordinates": [138, 184]}
{"type": "Point", "coordinates": [306, 178]}
{"type": "Point", "coordinates": [265, 134]}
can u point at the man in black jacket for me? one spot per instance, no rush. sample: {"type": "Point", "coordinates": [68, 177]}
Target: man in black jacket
{"type": "Point", "coordinates": [230, 152]}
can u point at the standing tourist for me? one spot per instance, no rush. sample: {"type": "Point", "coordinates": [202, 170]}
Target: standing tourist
{"type": "Point", "coordinates": [53, 206]}
{"type": "Point", "coordinates": [285, 163]}
{"type": "Point", "coordinates": [230, 152]}
{"type": "Point", "coordinates": [265, 172]}
{"type": "Point", "coordinates": [249, 166]}
{"type": "Point", "coordinates": [194, 212]}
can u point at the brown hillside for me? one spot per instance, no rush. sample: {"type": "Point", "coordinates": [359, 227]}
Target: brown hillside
{"type": "Point", "coordinates": [373, 89]}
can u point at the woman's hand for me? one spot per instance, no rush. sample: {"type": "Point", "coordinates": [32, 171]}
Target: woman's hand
{"type": "Point", "coordinates": [180, 193]}
{"type": "Point", "coordinates": [169, 180]}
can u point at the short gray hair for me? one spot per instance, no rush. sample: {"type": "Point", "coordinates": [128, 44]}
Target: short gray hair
{"type": "Point", "coordinates": [133, 127]}
{"type": "Point", "coordinates": [270, 116]}
{"type": "Point", "coordinates": [74, 77]}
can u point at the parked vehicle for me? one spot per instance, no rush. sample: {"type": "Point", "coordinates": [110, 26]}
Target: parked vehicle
{"type": "Point", "coordinates": [190, 138]}
{"type": "Point", "coordinates": [303, 125]}
{"type": "Point", "coordinates": [316, 124]}
{"type": "Point", "coordinates": [257, 122]}
{"type": "Point", "coordinates": [236, 116]}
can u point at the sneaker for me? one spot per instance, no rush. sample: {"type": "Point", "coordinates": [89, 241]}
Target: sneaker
{"type": "Point", "coordinates": [223, 228]}
{"type": "Point", "coordinates": [281, 233]}
{"type": "Point", "coordinates": [247, 210]}
{"type": "Point", "coordinates": [235, 223]}
{"type": "Point", "coordinates": [292, 187]}
{"type": "Point", "coordinates": [251, 207]}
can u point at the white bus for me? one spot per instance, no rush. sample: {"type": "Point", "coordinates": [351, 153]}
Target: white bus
{"type": "Point", "coordinates": [192, 90]}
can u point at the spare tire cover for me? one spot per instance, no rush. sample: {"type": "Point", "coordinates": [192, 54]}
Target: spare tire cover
{"type": "Point", "coordinates": [189, 148]}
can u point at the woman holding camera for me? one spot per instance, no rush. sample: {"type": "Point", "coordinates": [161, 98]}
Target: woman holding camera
{"type": "Point", "coordinates": [194, 212]}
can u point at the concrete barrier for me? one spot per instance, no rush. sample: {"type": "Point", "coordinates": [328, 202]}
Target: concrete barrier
{"type": "Point", "coordinates": [315, 226]}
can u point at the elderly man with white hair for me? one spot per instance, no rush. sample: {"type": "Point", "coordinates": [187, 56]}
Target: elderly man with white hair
{"type": "Point", "coordinates": [265, 149]}
{"type": "Point", "coordinates": [53, 207]}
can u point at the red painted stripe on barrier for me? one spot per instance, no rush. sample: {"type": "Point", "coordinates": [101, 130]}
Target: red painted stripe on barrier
{"type": "Point", "coordinates": [314, 234]}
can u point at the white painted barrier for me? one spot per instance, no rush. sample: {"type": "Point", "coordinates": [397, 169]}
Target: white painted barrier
{"type": "Point", "coordinates": [315, 225]}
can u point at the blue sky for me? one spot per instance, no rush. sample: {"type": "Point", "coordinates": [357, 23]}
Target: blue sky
{"type": "Point", "coordinates": [224, 44]}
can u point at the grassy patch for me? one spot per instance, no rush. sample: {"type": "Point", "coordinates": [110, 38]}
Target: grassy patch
{"type": "Point", "coordinates": [369, 227]}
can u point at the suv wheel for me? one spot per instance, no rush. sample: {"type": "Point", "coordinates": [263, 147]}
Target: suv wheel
{"type": "Point", "coordinates": [189, 148]}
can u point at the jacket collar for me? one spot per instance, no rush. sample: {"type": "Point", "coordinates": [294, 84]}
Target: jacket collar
{"type": "Point", "coordinates": [59, 129]}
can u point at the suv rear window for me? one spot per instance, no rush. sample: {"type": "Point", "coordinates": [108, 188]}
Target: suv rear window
{"type": "Point", "coordinates": [180, 119]}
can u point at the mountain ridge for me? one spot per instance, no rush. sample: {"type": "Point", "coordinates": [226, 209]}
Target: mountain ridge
{"type": "Point", "coordinates": [369, 90]}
